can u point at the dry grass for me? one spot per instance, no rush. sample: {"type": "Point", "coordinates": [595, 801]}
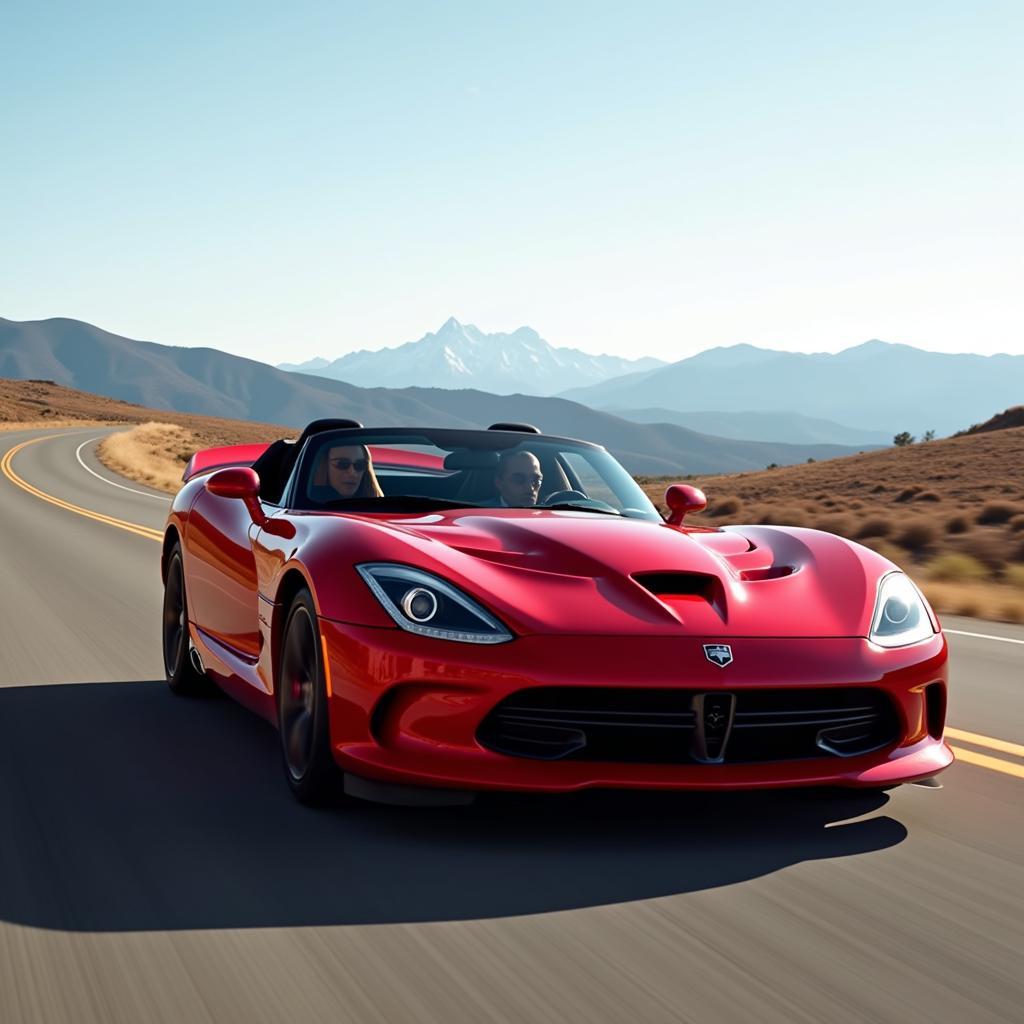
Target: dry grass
{"type": "Point", "coordinates": [979, 600]}
{"type": "Point", "coordinates": [152, 453]}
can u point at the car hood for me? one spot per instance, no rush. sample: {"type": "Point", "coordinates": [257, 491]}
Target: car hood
{"type": "Point", "coordinates": [545, 571]}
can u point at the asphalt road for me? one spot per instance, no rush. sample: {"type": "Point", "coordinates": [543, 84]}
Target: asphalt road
{"type": "Point", "coordinates": [153, 866]}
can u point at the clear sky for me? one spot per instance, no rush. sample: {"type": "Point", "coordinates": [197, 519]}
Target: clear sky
{"type": "Point", "coordinates": [289, 180]}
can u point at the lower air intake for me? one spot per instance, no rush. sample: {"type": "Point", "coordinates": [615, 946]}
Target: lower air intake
{"type": "Point", "coordinates": [657, 726]}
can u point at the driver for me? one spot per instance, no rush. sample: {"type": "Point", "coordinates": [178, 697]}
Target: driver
{"type": "Point", "coordinates": [518, 479]}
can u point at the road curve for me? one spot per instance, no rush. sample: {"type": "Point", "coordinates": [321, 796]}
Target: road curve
{"type": "Point", "coordinates": [153, 866]}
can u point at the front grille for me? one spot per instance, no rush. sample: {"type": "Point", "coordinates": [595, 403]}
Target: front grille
{"type": "Point", "coordinates": [648, 726]}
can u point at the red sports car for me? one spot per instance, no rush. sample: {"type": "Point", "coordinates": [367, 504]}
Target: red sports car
{"type": "Point", "coordinates": [425, 613]}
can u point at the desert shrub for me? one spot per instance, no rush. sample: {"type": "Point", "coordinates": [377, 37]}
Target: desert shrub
{"type": "Point", "coordinates": [955, 567]}
{"type": "Point", "coordinates": [1017, 524]}
{"type": "Point", "coordinates": [996, 512]}
{"type": "Point", "coordinates": [886, 549]}
{"type": "Point", "coordinates": [841, 525]}
{"type": "Point", "coordinates": [1015, 575]}
{"type": "Point", "coordinates": [916, 534]}
{"type": "Point", "coordinates": [726, 507]}
{"type": "Point", "coordinates": [875, 526]}
{"type": "Point", "coordinates": [785, 515]}
{"type": "Point", "coordinates": [908, 493]}
{"type": "Point", "coordinates": [958, 524]}
{"type": "Point", "coordinates": [988, 548]}
{"type": "Point", "coordinates": [927, 496]}
{"type": "Point", "coordinates": [969, 607]}
{"type": "Point", "coordinates": [1013, 611]}
{"type": "Point", "coordinates": [878, 489]}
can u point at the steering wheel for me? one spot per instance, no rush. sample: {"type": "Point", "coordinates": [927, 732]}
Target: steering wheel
{"type": "Point", "coordinates": [558, 497]}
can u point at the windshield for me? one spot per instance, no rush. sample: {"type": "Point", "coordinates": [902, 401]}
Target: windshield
{"type": "Point", "coordinates": [368, 470]}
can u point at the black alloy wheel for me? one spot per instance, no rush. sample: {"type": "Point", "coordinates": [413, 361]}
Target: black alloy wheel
{"type": "Point", "coordinates": [182, 676]}
{"type": "Point", "coordinates": [309, 766]}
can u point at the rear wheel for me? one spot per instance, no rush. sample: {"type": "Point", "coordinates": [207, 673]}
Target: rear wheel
{"type": "Point", "coordinates": [182, 676]}
{"type": "Point", "coordinates": [309, 766]}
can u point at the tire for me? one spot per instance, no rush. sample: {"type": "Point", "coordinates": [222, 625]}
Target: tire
{"type": "Point", "coordinates": [182, 677]}
{"type": "Point", "coordinates": [309, 766]}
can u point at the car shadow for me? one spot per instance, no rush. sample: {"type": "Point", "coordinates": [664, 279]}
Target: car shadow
{"type": "Point", "coordinates": [125, 808]}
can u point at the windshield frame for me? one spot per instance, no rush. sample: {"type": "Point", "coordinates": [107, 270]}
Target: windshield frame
{"type": "Point", "coordinates": [444, 438]}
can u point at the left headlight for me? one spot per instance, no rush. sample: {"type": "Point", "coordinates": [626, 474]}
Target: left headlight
{"type": "Point", "coordinates": [900, 616]}
{"type": "Point", "coordinates": [422, 603]}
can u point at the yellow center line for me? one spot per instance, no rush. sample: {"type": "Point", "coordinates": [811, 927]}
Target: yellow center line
{"type": "Point", "coordinates": [995, 764]}
{"type": "Point", "coordinates": [969, 756]}
{"type": "Point", "coordinates": [1004, 746]}
{"type": "Point", "coordinates": [8, 471]}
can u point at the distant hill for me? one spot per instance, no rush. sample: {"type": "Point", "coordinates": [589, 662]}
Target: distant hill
{"type": "Point", "coordinates": [789, 427]}
{"type": "Point", "coordinates": [876, 386]}
{"type": "Point", "coordinates": [462, 356]}
{"type": "Point", "coordinates": [1013, 417]}
{"type": "Point", "coordinates": [208, 382]}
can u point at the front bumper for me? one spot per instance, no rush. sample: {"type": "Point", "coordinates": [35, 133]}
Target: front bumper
{"type": "Point", "coordinates": [406, 709]}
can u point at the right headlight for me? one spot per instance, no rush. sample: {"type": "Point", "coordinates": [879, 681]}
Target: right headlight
{"type": "Point", "coordinates": [423, 603]}
{"type": "Point", "coordinates": [900, 615]}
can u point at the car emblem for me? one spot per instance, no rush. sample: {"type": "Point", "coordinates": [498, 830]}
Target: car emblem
{"type": "Point", "coordinates": [719, 654]}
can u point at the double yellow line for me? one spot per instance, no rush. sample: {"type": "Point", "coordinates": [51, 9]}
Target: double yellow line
{"type": "Point", "coordinates": [121, 524]}
{"type": "Point", "coordinates": [996, 764]}
{"type": "Point", "coordinates": [966, 754]}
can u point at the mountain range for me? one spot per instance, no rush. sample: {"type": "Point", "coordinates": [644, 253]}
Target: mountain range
{"type": "Point", "coordinates": [209, 382]}
{"type": "Point", "coordinates": [875, 386]}
{"type": "Point", "coordinates": [462, 356]}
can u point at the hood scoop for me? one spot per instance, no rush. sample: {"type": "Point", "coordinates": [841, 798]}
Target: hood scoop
{"type": "Point", "coordinates": [680, 589]}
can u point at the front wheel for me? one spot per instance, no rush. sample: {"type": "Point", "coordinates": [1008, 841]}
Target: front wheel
{"type": "Point", "coordinates": [309, 766]}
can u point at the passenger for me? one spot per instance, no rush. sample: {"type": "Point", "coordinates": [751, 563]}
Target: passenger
{"type": "Point", "coordinates": [350, 473]}
{"type": "Point", "coordinates": [518, 479]}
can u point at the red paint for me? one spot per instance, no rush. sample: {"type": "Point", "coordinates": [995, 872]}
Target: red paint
{"type": "Point", "coordinates": [794, 604]}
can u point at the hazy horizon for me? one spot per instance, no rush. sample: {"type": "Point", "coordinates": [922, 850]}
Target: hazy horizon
{"type": "Point", "coordinates": [290, 183]}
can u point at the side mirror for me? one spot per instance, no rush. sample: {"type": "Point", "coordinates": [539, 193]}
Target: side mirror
{"type": "Point", "coordinates": [239, 482]}
{"type": "Point", "coordinates": [681, 499]}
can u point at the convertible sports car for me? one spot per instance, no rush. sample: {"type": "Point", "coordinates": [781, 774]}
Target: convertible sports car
{"type": "Point", "coordinates": [428, 613]}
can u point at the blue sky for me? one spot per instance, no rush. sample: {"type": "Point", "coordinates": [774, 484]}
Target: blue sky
{"type": "Point", "coordinates": [283, 181]}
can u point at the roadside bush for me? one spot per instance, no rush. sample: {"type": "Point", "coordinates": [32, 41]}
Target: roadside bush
{"type": "Point", "coordinates": [996, 512]}
{"type": "Point", "coordinates": [955, 567]}
{"type": "Point", "coordinates": [992, 549]}
{"type": "Point", "coordinates": [875, 526]}
{"type": "Point", "coordinates": [908, 494]}
{"type": "Point", "coordinates": [1015, 575]}
{"type": "Point", "coordinates": [784, 516]}
{"type": "Point", "coordinates": [927, 496]}
{"type": "Point", "coordinates": [958, 524]}
{"type": "Point", "coordinates": [841, 524]}
{"type": "Point", "coordinates": [916, 535]}
{"type": "Point", "coordinates": [1017, 524]}
{"type": "Point", "coordinates": [886, 549]}
{"type": "Point", "coordinates": [726, 507]}
{"type": "Point", "coordinates": [1013, 612]}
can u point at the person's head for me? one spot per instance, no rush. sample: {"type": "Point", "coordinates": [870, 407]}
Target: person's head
{"type": "Point", "coordinates": [518, 478]}
{"type": "Point", "coordinates": [350, 471]}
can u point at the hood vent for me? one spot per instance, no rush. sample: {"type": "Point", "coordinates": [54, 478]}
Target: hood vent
{"type": "Point", "coordinates": [679, 584]}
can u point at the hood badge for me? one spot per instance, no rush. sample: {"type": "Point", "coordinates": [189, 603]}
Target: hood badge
{"type": "Point", "coordinates": [718, 654]}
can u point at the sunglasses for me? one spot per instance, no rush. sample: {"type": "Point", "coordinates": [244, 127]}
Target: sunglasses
{"type": "Point", "coordinates": [359, 465]}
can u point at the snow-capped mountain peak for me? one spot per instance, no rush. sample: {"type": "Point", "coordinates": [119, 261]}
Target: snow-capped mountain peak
{"type": "Point", "coordinates": [459, 355]}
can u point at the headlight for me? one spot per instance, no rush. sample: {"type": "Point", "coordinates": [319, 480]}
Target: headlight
{"type": "Point", "coordinates": [900, 617]}
{"type": "Point", "coordinates": [422, 603]}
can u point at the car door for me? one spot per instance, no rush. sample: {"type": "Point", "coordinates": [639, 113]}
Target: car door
{"type": "Point", "coordinates": [221, 584]}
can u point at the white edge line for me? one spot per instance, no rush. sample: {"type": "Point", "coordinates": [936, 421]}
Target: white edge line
{"type": "Point", "coordinates": [984, 636]}
{"type": "Point", "coordinates": [145, 494]}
